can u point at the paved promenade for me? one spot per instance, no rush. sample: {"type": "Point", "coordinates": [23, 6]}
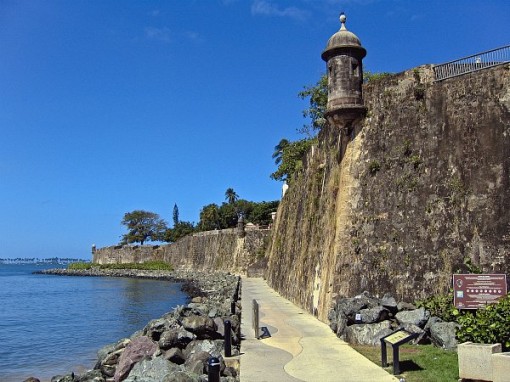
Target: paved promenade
{"type": "Point", "coordinates": [300, 347]}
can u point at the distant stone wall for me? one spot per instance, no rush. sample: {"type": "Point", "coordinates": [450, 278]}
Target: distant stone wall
{"type": "Point", "coordinates": [212, 250]}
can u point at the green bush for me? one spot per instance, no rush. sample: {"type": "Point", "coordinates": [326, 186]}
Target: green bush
{"type": "Point", "coordinates": [147, 266]}
{"type": "Point", "coordinates": [374, 76]}
{"type": "Point", "coordinates": [79, 265]}
{"type": "Point", "coordinates": [488, 325]}
{"type": "Point", "coordinates": [440, 306]}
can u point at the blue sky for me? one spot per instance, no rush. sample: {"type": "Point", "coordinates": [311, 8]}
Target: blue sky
{"type": "Point", "coordinates": [111, 106]}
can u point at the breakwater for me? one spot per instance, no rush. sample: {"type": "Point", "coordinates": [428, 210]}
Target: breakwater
{"type": "Point", "coordinates": [177, 345]}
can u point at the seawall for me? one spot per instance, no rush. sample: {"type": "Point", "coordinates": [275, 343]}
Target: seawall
{"type": "Point", "coordinates": [418, 190]}
{"type": "Point", "coordinates": [221, 250]}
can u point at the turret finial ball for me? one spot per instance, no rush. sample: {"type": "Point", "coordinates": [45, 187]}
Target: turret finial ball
{"type": "Point", "coordinates": [343, 18]}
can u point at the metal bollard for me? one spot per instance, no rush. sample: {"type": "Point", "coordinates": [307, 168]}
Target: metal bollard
{"type": "Point", "coordinates": [228, 338]}
{"type": "Point", "coordinates": [213, 374]}
{"type": "Point", "coordinates": [236, 293]}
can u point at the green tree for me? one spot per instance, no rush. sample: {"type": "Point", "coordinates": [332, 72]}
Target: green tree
{"type": "Point", "coordinates": [231, 196]}
{"type": "Point", "coordinates": [143, 226]}
{"type": "Point", "coordinates": [261, 213]}
{"type": "Point", "coordinates": [289, 155]}
{"type": "Point", "coordinates": [209, 218]}
{"type": "Point", "coordinates": [278, 150]}
{"type": "Point", "coordinates": [318, 100]}
{"type": "Point", "coordinates": [227, 214]}
{"type": "Point", "coordinates": [292, 159]}
{"type": "Point", "coordinates": [181, 229]}
{"type": "Point", "coordinates": [175, 214]}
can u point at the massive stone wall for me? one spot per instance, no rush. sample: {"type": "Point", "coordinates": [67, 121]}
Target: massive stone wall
{"type": "Point", "coordinates": [213, 250]}
{"type": "Point", "coordinates": [418, 190]}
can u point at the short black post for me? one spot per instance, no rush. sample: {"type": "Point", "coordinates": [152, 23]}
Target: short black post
{"type": "Point", "coordinates": [236, 293]}
{"type": "Point", "coordinates": [228, 338]}
{"type": "Point", "coordinates": [396, 361]}
{"type": "Point", "coordinates": [232, 307]}
{"type": "Point", "coordinates": [384, 357]}
{"type": "Point", "coordinates": [214, 370]}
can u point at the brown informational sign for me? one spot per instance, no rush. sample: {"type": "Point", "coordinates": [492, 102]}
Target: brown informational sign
{"type": "Point", "coordinates": [473, 291]}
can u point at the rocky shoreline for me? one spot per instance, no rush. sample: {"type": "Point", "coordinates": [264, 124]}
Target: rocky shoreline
{"type": "Point", "coordinates": [178, 345]}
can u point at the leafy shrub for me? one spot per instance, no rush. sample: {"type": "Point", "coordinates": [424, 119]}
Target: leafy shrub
{"type": "Point", "coordinates": [79, 265]}
{"type": "Point", "coordinates": [147, 266]}
{"type": "Point", "coordinates": [374, 76]}
{"type": "Point", "coordinates": [440, 306]}
{"type": "Point", "coordinates": [488, 325]}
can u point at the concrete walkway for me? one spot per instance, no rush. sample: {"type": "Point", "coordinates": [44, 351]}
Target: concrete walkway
{"type": "Point", "coordinates": [300, 347]}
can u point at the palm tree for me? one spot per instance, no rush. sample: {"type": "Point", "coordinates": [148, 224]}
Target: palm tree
{"type": "Point", "coordinates": [278, 150]}
{"type": "Point", "coordinates": [231, 196]}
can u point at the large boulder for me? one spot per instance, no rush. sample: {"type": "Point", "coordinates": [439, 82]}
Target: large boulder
{"type": "Point", "coordinates": [197, 362]}
{"type": "Point", "coordinates": [63, 378]}
{"type": "Point", "coordinates": [350, 306]}
{"type": "Point", "coordinates": [177, 337]}
{"type": "Point", "coordinates": [389, 302]}
{"type": "Point", "coordinates": [202, 326]}
{"type": "Point", "coordinates": [418, 317]}
{"type": "Point", "coordinates": [214, 348]}
{"type": "Point", "coordinates": [182, 376]}
{"type": "Point", "coordinates": [422, 337]}
{"type": "Point", "coordinates": [108, 357]}
{"type": "Point", "coordinates": [373, 315]}
{"type": "Point", "coordinates": [155, 328]}
{"type": "Point", "coordinates": [402, 305]}
{"type": "Point", "coordinates": [367, 334]}
{"type": "Point", "coordinates": [151, 370]}
{"type": "Point", "coordinates": [443, 334]}
{"type": "Point", "coordinates": [92, 376]}
{"type": "Point", "coordinates": [198, 352]}
{"type": "Point", "coordinates": [341, 325]}
{"type": "Point", "coordinates": [175, 355]}
{"type": "Point", "coordinates": [136, 350]}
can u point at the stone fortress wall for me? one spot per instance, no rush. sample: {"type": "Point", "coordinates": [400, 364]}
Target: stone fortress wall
{"type": "Point", "coordinates": [224, 250]}
{"type": "Point", "coordinates": [420, 190]}
{"type": "Point", "coordinates": [409, 183]}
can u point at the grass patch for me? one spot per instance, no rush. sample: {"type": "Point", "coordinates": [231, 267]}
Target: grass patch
{"type": "Point", "coordinates": [79, 265]}
{"type": "Point", "coordinates": [147, 266]}
{"type": "Point", "coordinates": [418, 363]}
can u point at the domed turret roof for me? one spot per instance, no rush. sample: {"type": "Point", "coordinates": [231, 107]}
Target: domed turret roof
{"type": "Point", "coordinates": [341, 40]}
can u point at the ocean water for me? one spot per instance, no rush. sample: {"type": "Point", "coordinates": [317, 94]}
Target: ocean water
{"type": "Point", "coordinates": [53, 325]}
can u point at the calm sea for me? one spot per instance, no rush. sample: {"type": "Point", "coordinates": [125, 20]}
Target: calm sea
{"type": "Point", "coordinates": [53, 325]}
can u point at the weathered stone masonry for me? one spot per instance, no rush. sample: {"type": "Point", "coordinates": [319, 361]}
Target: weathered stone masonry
{"type": "Point", "coordinates": [220, 250]}
{"type": "Point", "coordinates": [421, 189]}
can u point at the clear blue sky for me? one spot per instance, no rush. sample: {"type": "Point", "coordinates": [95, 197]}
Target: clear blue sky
{"type": "Point", "coordinates": [111, 106]}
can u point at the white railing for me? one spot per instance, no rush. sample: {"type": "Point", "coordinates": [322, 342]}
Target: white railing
{"type": "Point", "coordinates": [472, 63]}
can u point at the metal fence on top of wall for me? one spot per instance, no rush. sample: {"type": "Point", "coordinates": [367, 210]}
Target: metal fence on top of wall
{"type": "Point", "coordinates": [472, 63]}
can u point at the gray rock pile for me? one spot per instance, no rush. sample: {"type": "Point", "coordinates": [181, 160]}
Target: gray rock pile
{"type": "Point", "coordinates": [365, 319]}
{"type": "Point", "coordinates": [177, 346]}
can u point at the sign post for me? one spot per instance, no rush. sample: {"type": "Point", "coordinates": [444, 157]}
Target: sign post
{"type": "Point", "coordinates": [475, 291]}
{"type": "Point", "coordinates": [395, 339]}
